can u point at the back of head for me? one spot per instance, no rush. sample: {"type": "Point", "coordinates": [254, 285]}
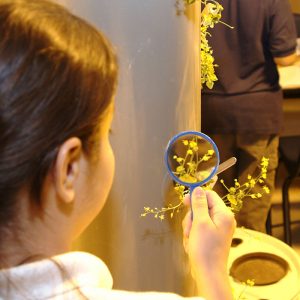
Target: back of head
{"type": "Point", "coordinates": [57, 77]}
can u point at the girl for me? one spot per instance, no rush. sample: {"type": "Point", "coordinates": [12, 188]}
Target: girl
{"type": "Point", "coordinates": [57, 81]}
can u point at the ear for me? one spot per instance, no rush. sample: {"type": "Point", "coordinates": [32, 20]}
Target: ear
{"type": "Point", "coordinates": [67, 169]}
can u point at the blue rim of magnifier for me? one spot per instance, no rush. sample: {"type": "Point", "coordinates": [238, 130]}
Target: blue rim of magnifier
{"type": "Point", "coordinates": [204, 136]}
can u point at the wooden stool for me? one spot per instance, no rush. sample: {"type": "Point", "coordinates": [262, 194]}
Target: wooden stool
{"type": "Point", "coordinates": [289, 150]}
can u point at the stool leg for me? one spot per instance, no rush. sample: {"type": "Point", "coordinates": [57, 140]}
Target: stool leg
{"type": "Point", "coordinates": [269, 222]}
{"type": "Point", "coordinates": [286, 211]}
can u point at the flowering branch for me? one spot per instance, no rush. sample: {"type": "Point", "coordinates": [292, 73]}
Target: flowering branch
{"type": "Point", "coordinates": [236, 194]}
{"type": "Point", "coordinates": [187, 171]}
{"type": "Point", "coordinates": [234, 199]}
{"type": "Point", "coordinates": [210, 16]}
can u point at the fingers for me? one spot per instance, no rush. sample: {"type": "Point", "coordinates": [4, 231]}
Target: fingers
{"type": "Point", "coordinates": [210, 185]}
{"type": "Point", "coordinates": [187, 200]}
{"type": "Point", "coordinates": [214, 201]}
{"type": "Point", "coordinates": [199, 205]}
{"type": "Point", "coordinates": [186, 229]}
{"type": "Point", "coordinates": [187, 224]}
{"type": "Point", "coordinates": [200, 210]}
{"type": "Point", "coordinates": [208, 207]}
{"type": "Point", "coordinates": [220, 214]}
{"type": "Point", "coordinates": [199, 199]}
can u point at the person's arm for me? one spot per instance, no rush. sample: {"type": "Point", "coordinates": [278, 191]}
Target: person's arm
{"type": "Point", "coordinates": [282, 35]}
{"type": "Point", "coordinates": [207, 240]}
{"type": "Point", "coordinates": [287, 60]}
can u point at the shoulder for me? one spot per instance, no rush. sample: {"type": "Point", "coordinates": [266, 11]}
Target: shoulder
{"type": "Point", "coordinates": [280, 7]}
{"type": "Point", "coordinates": [55, 277]}
{"type": "Point", "coordinates": [86, 268]}
{"type": "Point", "coordinates": [98, 285]}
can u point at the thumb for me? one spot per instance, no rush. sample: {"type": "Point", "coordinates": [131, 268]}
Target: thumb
{"type": "Point", "coordinates": [199, 204]}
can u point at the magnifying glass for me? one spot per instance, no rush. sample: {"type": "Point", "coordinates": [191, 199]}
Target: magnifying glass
{"type": "Point", "coordinates": [192, 159]}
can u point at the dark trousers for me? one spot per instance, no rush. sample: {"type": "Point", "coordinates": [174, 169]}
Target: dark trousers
{"type": "Point", "coordinates": [249, 149]}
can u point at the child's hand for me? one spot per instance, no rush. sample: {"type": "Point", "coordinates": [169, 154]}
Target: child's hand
{"type": "Point", "coordinates": [207, 238]}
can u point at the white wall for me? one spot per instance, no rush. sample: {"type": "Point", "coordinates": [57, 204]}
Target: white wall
{"type": "Point", "coordinates": [158, 95]}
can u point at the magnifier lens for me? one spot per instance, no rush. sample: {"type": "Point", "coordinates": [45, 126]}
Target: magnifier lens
{"type": "Point", "coordinates": [192, 158]}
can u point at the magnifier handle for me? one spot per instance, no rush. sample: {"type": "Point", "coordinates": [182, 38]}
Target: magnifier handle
{"type": "Point", "coordinates": [191, 202]}
{"type": "Point", "coordinates": [226, 164]}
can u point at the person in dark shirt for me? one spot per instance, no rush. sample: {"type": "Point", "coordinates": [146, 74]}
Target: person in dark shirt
{"type": "Point", "coordinates": [243, 111]}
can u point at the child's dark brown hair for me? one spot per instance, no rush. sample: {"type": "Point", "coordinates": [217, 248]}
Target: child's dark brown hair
{"type": "Point", "coordinates": [57, 78]}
